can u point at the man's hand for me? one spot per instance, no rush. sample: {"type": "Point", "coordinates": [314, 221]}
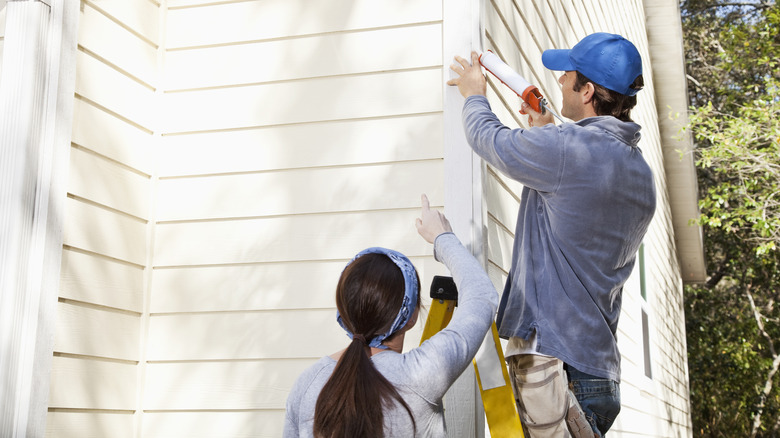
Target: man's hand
{"type": "Point", "coordinates": [432, 223]}
{"type": "Point", "coordinates": [470, 80]}
{"type": "Point", "coordinates": [536, 118]}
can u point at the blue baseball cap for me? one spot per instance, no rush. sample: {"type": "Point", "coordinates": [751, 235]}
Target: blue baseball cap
{"type": "Point", "coordinates": [606, 59]}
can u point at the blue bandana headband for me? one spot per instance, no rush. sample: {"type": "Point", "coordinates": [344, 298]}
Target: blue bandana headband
{"type": "Point", "coordinates": [410, 294]}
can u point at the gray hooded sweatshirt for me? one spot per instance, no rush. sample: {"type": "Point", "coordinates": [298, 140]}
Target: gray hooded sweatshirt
{"type": "Point", "coordinates": [587, 201]}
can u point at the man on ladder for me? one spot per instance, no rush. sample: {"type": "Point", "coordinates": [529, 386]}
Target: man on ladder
{"type": "Point", "coordinates": [588, 198]}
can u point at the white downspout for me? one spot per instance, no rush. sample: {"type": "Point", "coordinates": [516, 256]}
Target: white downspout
{"type": "Point", "coordinates": [36, 99]}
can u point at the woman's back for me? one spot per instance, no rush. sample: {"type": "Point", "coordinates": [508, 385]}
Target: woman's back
{"type": "Point", "coordinates": [422, 375]}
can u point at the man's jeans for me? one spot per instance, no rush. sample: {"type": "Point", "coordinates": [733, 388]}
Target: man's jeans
{"type": "Point", "coordinates": [599, 398]}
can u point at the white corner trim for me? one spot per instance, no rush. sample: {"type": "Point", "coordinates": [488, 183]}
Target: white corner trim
{"type": "Point", "coordinates": [463, 169]}
{"type": "Point", "coordinates": [36, 98]}
{"type": "Point", "coordinates": [463, 186]}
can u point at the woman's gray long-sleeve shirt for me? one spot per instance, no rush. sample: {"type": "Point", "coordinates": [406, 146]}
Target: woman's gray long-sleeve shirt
{"type": "Point", "coordinates": [422, 375]}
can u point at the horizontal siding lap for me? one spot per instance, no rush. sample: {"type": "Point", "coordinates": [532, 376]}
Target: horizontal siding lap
{"type": "Point", "coordinates": [300, 191]}
{"type": "Point", "coordinates": [500, 248]}
{"type": "Point", "coordinates": [282, 286]}
{"type": "Point", "coordinates": [271, 19]}
{"type": "Point", "coordinates": [297, 285]}
{"type": "Point", "coordinates": [631, 357]}
{"type": "Point", "coordinates": [242, 424]}
{"type": "Point", "coordinates": [97, 332]}
{"type": "Point", "coordinates": [335, 98]}
{"type": "Point", "coordinates": [671, 335]}
{"type": "Point", "coordinates": [573, 29]}
{"type": "Point", "coordinates": [237, 335]}
{"type": "Point", "coordinates": [417, 137]}
{"type": "Point", "coordinates": [602, 17]}
{"type": "Point", "coordinates": [117, 45]}
{"type": "Point", "coordinates": [502, 201]}
{"type": "Point", "coordinates": [498, 276]}
{"type": "Point", "coordinates": [510, 185]}
{"type": "Point", "coordinates": [505, 105]}
{"type": "Point", "coordinates": [115, 91]}
{"type": "Point", "coordinates": [306, 237]}
{"type": "Point", "coordinates": [647, 414]}
{"type": "Point", "coordinates": [88, 424]}
{"type": "Point", "coordinates": [351, 53]}
{"type": "Point", "coordinates": [74, 379]}
{"type": "Point", "coordinates": [550, 23]}
{"type": "Point", "coordinates": [107, 183]}
{"type": "Point", "coordinates": [93, 279]}
{"type": "Point", "coordinates": [630, 314]}
{"type": "Point", "coordinates": [95, 229]}
{"type": "Point", "coordinates": [240, 385]}
{"type": "Point", "coordinates": [105, 134]}
{"type": "Point", "coordinates": [139, 15]}
{"type": "Point", "coordinates": [673, 377]}
{"type": "Point", "coordinates": [637, 422]}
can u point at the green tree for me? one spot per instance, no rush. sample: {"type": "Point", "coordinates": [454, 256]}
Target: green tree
{"type": "Point", "coordinates": [733, 321]}
{"type": "Point", "coordinates": [730, 47]}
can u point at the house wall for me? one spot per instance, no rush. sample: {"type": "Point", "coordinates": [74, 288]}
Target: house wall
{"type": "Point", "coordinates": [219, 181]}
{"type": "Point", "coordinates": [229, 158]}
{"type": "Point", "coordinates": [519, 31]}
{"type": "Point", "coordinates": [296, 134]}
{"type": "Point", "coordinates": [101, 316]}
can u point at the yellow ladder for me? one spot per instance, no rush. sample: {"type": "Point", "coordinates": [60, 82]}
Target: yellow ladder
{"type": "Point", "coordinates": [494, 384]}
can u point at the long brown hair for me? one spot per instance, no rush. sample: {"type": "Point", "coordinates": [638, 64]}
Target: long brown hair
{"type": "Point", "coordinates": [368, 297]}
{"type": "Point", "coordinates": [611, 103]}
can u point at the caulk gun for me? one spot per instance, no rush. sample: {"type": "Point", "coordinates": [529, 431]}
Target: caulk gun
{"type": "Point", "coordinates": [529, 93]}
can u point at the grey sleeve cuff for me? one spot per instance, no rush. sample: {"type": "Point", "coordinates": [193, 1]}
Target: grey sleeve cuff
{"type": "Point", "coordinates": [442, 241]}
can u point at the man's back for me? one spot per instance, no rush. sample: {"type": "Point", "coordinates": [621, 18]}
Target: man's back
{"type": "Point", "coordinates": [588, 200]}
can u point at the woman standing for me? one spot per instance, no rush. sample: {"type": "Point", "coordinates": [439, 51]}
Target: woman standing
{"type": "Point", "coordinates": [372, 388]}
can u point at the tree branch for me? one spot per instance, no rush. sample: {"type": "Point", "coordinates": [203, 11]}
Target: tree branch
{"type": "Point", "coordinates": [764, 395]}
{"type": "Point", "coordinates": [772, 371]}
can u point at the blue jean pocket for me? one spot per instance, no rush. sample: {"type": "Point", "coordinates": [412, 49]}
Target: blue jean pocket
{"type": "Point", "coordinates": [599, 399]}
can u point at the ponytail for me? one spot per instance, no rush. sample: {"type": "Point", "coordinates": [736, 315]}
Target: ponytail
{"type": "Point", "coordinates": [351, 402]}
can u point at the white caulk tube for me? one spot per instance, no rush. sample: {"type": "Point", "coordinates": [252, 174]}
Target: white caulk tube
{"type": "Point", "coordinates": [529, 93]}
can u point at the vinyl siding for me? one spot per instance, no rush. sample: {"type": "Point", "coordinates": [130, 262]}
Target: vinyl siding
{"type": "Point", "coordinates": [519, 31]}
{"type": "Point", "coordinates": [210, 211]}
{"type": "Point", "coordinates": [296, 134]}
{"type": "Point", "coordinates": [100, 320]}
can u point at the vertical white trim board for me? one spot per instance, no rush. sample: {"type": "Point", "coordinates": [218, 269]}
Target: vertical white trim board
{"type": "Point", "coordinates": [35, 123]}
{"type": "Point", "coordinates": [462, 194]}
